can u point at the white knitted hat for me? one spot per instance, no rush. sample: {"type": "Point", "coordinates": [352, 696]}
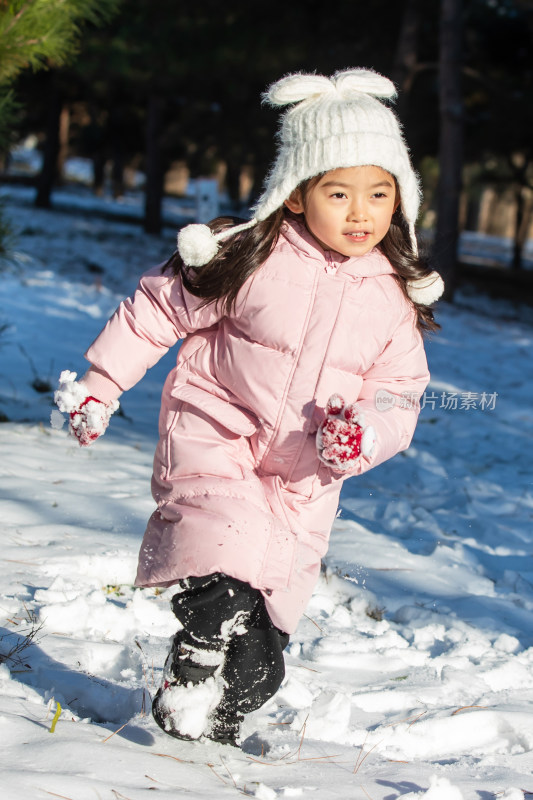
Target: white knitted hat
{"type": "Point", "coordinates": [333, 122]}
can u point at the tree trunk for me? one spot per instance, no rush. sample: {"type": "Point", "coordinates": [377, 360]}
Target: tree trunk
{"type": "Point", "coordinates": [49, 170]}
{"type": "Point", "coordinates": [405, 58]}
{"type": "Point", "coordinates": [523, 218]}
{"type": "Point", "coordinates": [117, 133]}
{"type": "Point", "coordinates": [117, 174]}
{"type": "Point", "coordinates": [450, 144]}
{"type": "Point", "coordinates": [520, 163]}
{"type": "Point", "coordinates": [98, 173]}
{"type": "Point", "coordinates": [154, 166]}
{"type": "Point", "coordinates": [233, 177]}
{"type": "Point", "coordinates": [516, 262]}
{"type": "Point", "coordinates": [64, 141]}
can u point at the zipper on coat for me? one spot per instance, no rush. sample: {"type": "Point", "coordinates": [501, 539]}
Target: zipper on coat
{"type": "Point", "coordinates": [288, 385]}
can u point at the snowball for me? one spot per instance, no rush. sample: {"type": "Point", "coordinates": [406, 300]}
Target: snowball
{"type": "Point", "coordinates": [69, 394]}
{"type": "Point", "coordinates": [89, 418]}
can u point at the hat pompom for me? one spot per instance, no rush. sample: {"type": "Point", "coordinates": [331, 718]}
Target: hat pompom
{"type": "Point", "coordinates": [427, 290]}
{"type": "Point", "coordinates": [197, 245]}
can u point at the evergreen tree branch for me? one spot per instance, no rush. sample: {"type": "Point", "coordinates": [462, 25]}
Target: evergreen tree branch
{"type": "Point", "coordinates": [40, 33]}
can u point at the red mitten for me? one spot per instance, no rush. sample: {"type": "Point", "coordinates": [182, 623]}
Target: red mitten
{"type": "Point", "coordinates": [88, 421]}
{"type": "Point", "coordinates": [89, 417]}
{"type": "Point", "coordinates": [343, 436]}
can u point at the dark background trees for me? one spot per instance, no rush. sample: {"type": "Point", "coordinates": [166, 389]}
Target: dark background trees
{"type": "Point", "coordinates": [172, 83]}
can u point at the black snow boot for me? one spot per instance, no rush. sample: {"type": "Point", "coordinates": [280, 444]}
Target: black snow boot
{"type": "Point", "coordinates": [227, 660]}
{"type": "Point", "coordinates": [213, 610]}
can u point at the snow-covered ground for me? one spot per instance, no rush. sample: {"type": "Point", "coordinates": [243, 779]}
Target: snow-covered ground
{"type": "Point", "coordinates": [411, 674]}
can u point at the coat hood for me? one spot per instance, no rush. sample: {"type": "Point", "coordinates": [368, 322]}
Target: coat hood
{"type": "Point", "coordinates": [367, 266]}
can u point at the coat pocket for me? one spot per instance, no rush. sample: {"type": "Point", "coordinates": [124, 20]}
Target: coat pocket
{"type": "Point", "coordinates": [235, 419]}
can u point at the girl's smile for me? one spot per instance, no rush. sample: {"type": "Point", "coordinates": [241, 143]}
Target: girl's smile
{"type": "Point", "coordinates": [348, 210]}
{"type": "Point", "coordinates": [360, 235]}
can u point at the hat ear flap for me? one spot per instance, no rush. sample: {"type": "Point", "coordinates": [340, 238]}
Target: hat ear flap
{"type": "Point", "coordinates": [363, 80]}
{"type": "Point", "coordinates": [298, 87]}
{"type": "Point", "coordinates": [294, 88]}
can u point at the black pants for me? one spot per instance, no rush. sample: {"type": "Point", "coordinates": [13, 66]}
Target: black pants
{"type": "Point", "coordinates": [221, 613]}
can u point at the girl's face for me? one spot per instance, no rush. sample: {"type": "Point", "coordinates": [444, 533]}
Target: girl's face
{"type": "Point", "coordinates": [348, 210]}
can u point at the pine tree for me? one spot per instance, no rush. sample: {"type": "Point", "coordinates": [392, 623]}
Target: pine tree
{"type": "Point", "coordinates": [36, 34]}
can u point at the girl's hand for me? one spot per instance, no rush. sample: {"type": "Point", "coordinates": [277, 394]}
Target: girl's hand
{"type": "Point", "coordinates": [88, 421]}
{"type": "Point", "coordinates": [89, 417]}
{"type": "Point", "coordinates": [343, 437]}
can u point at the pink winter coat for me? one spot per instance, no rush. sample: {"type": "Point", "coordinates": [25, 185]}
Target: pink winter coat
{"type": "Point", "coordinates": [237, 481]}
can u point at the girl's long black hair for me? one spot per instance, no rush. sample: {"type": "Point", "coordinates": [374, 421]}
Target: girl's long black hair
{"type": "Point", "coordinates": [241, 255]}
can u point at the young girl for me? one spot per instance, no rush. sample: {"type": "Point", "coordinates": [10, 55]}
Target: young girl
{"type": "Point", "coordinates": [301, 365]}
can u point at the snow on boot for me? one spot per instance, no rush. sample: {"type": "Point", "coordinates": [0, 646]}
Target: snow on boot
{"type": "Point", "coordinates": [190, 691]}
{"type": "Point", "coordinates": [225, 729]}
